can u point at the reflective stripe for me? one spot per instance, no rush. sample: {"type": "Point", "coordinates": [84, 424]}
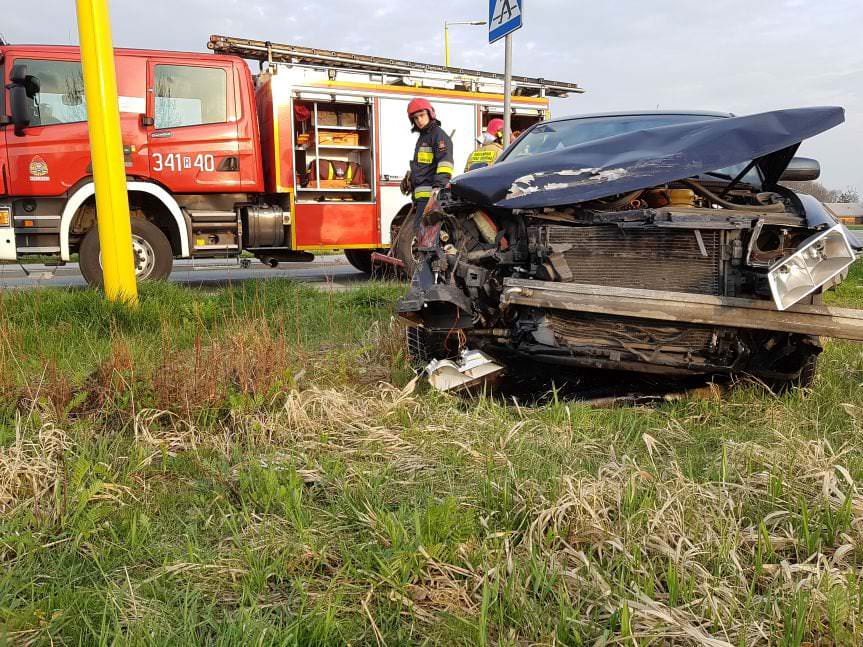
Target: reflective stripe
{"type": "Point", "coordinates": [484, 155]}
{"type": "Point", "coordinates": [422, 192]}
{"type": "Point", "coordinates": [481, 158]}
{"type": "Point", "coordinates": [444, 169]}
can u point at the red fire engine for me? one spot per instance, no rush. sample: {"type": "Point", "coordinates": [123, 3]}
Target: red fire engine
{"type": "Point", "coordinates": [304, 157]}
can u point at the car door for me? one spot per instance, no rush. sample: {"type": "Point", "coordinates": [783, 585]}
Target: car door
{"type": "Point", "coordinates": [192, 132]}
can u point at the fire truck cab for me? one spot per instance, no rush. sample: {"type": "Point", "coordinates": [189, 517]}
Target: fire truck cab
{"type": "Point", "coordinates": [306, 157]}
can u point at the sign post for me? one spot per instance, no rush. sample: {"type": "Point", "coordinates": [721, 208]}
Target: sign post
{"type": "Point", "coordinates": [504, 17]}
{"type": "Point", "coordinates": [106, 150]}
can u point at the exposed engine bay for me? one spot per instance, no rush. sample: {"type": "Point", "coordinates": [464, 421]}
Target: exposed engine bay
{"type": "Point", "coordinates": [588, 268]}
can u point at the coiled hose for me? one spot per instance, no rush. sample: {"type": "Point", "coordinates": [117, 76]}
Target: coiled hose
{"type": "Point", "coordinates": [707, 193]}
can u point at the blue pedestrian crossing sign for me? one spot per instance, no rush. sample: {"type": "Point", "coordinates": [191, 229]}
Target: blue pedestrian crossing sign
{"type": "Point", "coordinates": [504, 17]}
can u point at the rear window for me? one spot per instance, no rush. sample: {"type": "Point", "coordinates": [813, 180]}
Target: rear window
{"type": "Point", "coordinates": [190, 96]}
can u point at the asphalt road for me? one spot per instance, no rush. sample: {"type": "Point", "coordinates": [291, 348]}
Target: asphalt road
{"type": "Point", "coordinates": [325, 273]}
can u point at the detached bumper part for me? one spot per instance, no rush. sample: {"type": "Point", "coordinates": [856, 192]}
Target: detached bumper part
{"type": "Point", "coordinates": [819, 259]}
{"type": "Point", "coordinates": [473, 367]}
{"type": "Point", "coordinates": [438, 307]}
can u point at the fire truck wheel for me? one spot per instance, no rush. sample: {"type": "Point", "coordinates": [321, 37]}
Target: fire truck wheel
{"type": "Point", "coordinates": [152, 253]}
{"type": "Point", "coordinates": [361, 259]}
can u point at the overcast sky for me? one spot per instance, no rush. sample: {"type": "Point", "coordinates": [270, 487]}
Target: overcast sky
{"type": "Point", "coordinates": [741, 56]}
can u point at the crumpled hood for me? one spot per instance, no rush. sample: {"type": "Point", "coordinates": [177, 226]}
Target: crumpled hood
{"type": "Point", "coordinates": [646, 158]}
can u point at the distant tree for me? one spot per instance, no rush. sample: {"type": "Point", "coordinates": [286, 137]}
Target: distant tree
{"type": "Point", "coordinates": [823, 194]}
{"type": "Point", "coordinates": [848, 195]}
{"type": "Point", "coordinates": [815, 189]}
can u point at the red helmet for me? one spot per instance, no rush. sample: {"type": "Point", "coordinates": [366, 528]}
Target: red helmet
{"type": "Point", "coordinates": [495, 128]}
{"type": "Point", "coordinates": [418, 105]}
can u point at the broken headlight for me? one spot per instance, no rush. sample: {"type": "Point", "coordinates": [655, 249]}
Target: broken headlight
{"type": "Point", "coordinates": [816, 261]}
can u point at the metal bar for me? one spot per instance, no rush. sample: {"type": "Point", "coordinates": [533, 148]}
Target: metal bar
{"type": "Point", "coordinates": [507, 92]}
{"type": "Point", "coordinates": [106, 146]}
{"type": "Point", "coordinates": [317, 150]}
{"type": "Point", "coordinates": [658, 305]}
{"type": "Point", "coordinates": [297, 55]}
{"type": "Point", "coordinates": [39, 250]}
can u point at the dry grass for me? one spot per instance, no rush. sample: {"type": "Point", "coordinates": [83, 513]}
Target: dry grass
{"type": "Point", "coordinates": [235, 487]}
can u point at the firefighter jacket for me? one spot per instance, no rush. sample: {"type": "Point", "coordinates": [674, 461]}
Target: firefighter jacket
{"type": "Point", "coordinates": [432, 164]}
{"type": "Point", "coordinates": [485, 155]}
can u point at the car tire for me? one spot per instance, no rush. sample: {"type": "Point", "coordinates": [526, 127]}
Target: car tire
{"type": "Point", "coordinates": [405, 243]}
{"type": "Point", "coordinates": [806, 378]}
{"type": "Point", "coordinates": [153, 255]}
{"type": "Point", "coordinates": [803, 380]}
{"type": "Point", "coordinates": [360, 259]}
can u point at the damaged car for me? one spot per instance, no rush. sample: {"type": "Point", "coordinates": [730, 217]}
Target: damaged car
{"type": "Point", "coordinates": [656, 243]}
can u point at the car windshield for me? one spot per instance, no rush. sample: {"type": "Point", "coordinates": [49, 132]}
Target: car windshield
{"type": "Point", "coordinates": [555, 135]}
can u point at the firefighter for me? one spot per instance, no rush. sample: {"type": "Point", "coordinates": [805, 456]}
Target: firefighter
{"type": "Point", "coordinates": [432, 163]}
{"type": "Point", "coordinates": [491, 148]}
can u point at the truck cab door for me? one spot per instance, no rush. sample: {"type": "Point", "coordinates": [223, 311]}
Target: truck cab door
{"type": "Point", "coordinates": [53, 152]}
{"type": "Point", "coordinates": [5, 109]}
{"type": "Point", "coordinates": [192, 126]}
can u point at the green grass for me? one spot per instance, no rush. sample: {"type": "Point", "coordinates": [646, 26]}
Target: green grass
{"type": "Point", "coordinates": [248, 468]}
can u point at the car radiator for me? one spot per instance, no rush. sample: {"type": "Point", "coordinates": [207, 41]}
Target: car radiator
{"type": "Point", "coordinates": [638, 339]}
{"type": "Point", "coordinates": [645, 257]}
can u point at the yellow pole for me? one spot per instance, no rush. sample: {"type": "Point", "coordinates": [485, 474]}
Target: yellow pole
{"type": "Point", "coordinates": [106, 150]}
{"type": "Point", "coordinates": [446, 42]}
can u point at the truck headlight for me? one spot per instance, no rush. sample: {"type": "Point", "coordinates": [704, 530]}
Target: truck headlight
{"type": "Point", "coordinates": [816, 261]}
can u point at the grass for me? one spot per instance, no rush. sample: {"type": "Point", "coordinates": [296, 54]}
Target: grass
{"type": "Point", "coordinates": [249, 468]}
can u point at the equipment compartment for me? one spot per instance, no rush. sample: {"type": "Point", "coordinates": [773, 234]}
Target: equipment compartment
{"type": "Point", "coordinates": [334, 156]}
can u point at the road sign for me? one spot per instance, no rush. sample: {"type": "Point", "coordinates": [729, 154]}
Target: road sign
{"type": "Point", "coordinates": [504, 17]}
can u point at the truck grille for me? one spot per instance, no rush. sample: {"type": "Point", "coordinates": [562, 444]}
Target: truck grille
{"type": "Point", "coordinates": [652, 258]}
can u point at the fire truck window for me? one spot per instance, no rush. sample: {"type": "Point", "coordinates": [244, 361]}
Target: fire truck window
{"type": "Point", "coordinates": [61, 94]}
{"type": "Point", "coordinates": [190, 96]}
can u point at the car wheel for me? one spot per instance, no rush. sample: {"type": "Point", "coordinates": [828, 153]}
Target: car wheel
{"type": "Point", "coordinates": [806, 378]}
{"type": "Point", "coordinates": [406, 244]}
{"type": "Point", "coordinates": [152, 253]}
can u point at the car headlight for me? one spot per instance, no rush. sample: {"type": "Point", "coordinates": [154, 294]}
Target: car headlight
{"type": "Point", "coordinates": [816, 261]}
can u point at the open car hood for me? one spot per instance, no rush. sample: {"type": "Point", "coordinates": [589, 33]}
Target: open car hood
{"type": "Point", "coordinates": [646, 158]}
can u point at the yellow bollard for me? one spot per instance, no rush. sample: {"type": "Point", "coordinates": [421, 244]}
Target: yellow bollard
{"type": "Point", "coordinates": [106, 150]}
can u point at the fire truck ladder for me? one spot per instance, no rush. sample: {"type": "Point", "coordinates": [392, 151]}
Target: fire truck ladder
{"type": "Point", "coordinates": [296, 55]}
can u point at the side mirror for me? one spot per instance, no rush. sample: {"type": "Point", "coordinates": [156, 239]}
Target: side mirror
{"type": "Point", "coordinates": [23, 108]}
{"type": "Point", "coordinates": [801, 169]}
{"type": "Point", "coordinates": [22, 96]}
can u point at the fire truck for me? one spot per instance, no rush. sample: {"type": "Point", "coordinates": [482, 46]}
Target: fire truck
{"type": "Point", "coordinates": [303, 157]}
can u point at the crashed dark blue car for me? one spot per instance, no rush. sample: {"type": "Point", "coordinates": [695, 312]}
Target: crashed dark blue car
{"type": "Point", "coordinates": [660, 243]}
